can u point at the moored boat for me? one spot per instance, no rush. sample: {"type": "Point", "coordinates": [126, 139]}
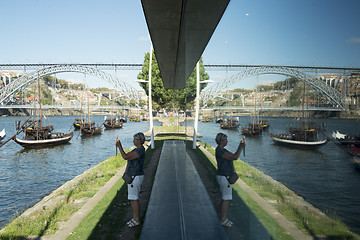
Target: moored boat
{"type": "Point", "coordinates": [346, 139]}
{"type": "Point", "coordinates": [77, 122]}
{"type": "Point", "coordinates": [230, 124]}
{"type": "Point", "coordinates": [123, 119]}
{"type": "Point", "coordinates": [250, 131]}
{"type": "Point", "coordinates": [307, 133]}
{"type": "Point", "coordinates": [36, 135]}
{"type": "Point", "coordinates": [39, 141]}
{"type": "Point", "coordinates": [112, 123]}
{"type": "Point", "coordinates": [293, 141]}
{"type": "Point", "coordinates": [90, 129]}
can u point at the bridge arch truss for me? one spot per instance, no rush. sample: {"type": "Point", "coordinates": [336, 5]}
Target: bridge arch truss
{"type": "Point", "coordinates": [333, 96]}
{"type": "Point", "coordinates": [10, 90]}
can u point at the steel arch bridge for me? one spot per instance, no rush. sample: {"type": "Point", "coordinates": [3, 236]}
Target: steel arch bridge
{"type": "Point", "coordinates": [334, 97]}
{"type": "Point", "coordinates": [10, 90]}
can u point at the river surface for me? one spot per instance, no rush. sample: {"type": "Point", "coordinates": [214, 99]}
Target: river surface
{"type": "Point", "coordinates": [325, 177]}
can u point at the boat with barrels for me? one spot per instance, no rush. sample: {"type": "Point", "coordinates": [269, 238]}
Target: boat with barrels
{"type": "Point", "coordinates": [36, 135]}
{"type": "Point", "coordinates": [230, 124]}
{"type": "Point", "coordinates": [112, 123]}
{"type": "Point", "coordinates": [306, 133]}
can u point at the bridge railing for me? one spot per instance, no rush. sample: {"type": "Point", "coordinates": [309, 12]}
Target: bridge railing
{"type": "Point", "coordinates": [92, 107]}
{"type": "Point", "coordinates": [114, 107]}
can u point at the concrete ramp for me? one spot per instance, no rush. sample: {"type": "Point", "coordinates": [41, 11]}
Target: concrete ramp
{"type": "Point", "coordinates": [179, 206]}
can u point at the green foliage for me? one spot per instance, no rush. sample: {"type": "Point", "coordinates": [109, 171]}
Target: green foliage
{"type": "Point", "coordinates": [60, 83]}
{"type": "Point", "coordinates": [100, 89]}
{"type": "Point", "coordinates": [209, 103]}
{"type": "Point", "coordinates": [264, 88]}
{"type": "Point", "coordinates": [77, 86]}
{"type": "Point", "coordinates": [167, 98]}
{"type": "Point", "coordinates": [286, 84]}
{"type": "Point", "coordinates": [132, 103]}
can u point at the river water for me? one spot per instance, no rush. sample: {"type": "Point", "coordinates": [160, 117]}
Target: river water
{"type": "Point", "coordinates": [324, 177]}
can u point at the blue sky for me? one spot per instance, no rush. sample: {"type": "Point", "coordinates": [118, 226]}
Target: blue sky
{"type": "Point", "coordinates": [279, 32]}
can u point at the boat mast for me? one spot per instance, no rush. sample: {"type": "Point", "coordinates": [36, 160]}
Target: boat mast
{"type": "Point", "coordinates": [88, 107]}
{"type": "Point", "coordinates": [40, 113]}
{"type": "Point", "coordinates": [303, 109]}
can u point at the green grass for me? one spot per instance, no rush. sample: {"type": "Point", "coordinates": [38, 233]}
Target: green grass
{"type": "Point", "coordinates": [93, 221]}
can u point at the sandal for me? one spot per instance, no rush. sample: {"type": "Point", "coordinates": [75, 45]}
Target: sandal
{"type": "Point", "coordinates": [227, 223]}
{"type": "Point", "coordinates": [132, 223]}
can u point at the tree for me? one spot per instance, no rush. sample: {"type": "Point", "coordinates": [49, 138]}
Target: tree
{"type": "Point", "coordinates": [170, 98]}
{"type": "Point", "coordinates": [132, 103]}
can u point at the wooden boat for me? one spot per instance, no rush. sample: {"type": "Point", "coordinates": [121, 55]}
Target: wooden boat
{"type": "Point", "coordinates": [307, 134]}
{"type": "Point", "coordinates": [122, 119]}
{"type": "Point", "coordinates": [293, 141]}
{"type": "Point", "coordinates": [346, 139]}
{"type": "Point", "coordinates": [250, 131]}
{"type": "Point", "coordinates": [77, 122]}
{"type": "Point", "coordinates": [257, 125]}
{"type": "Point", "coordinates": [2, 134]}
{"type": "Point", "coordinates": [112, 123]}
{"type": "Point", "coordinates": [36, 135]}
{"type": "Point", "coordinates": [219, 120]}
{"type": "Point", "coordinates": [90, 129]}
{"type": "Point", "coordinates": [230, 124]}
{"type": "Point", "coordinates": [38, 138]}
{"type": "Point", "coordinates": [260, 124]}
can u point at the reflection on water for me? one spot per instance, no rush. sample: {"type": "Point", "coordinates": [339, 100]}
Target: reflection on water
{"type": "Point", "coordinates": [325, 177]}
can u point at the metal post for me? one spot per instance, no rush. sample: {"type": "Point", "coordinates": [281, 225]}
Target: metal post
{"type": "Point", "coordinates": [196, 104]}
{"type": "Point", "coordinates": [150, 102]}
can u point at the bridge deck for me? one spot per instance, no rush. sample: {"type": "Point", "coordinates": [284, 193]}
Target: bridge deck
{"type": "Point", "coordinates": [179, 206]}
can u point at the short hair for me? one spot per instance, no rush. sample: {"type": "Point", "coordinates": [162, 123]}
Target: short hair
{"type": "Point", "coordinates": [220, 137]}
{"type": "Point", "coordinates": [140, 136]}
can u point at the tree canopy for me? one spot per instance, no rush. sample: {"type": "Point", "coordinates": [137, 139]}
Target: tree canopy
{"type": "Point", "coordinates": [170, 98]}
